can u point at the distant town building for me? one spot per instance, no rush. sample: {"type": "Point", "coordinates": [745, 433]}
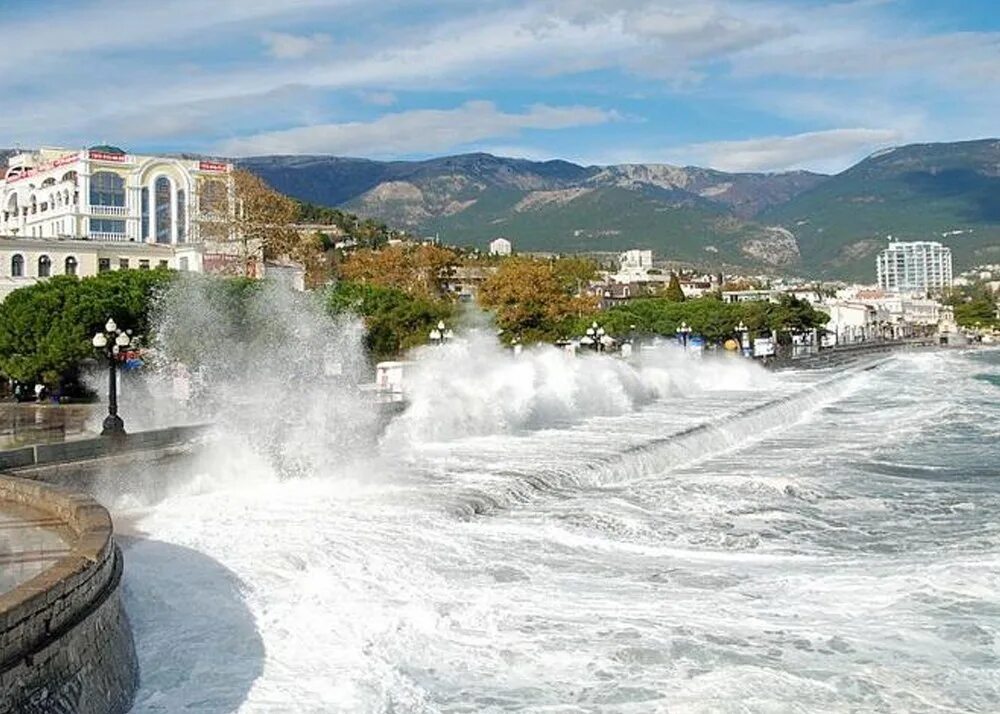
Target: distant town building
{"type": "Point", "coordinates": [918, 266]}
{"type": "Point", "coordinates": [737, 296]}
{"type": "Point", "coordinates": [500, 246]}
{"type": "Point", "coordinates": [82, 212]}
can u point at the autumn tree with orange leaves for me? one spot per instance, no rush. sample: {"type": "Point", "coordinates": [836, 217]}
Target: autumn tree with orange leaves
{"type": "Point", "coordinates": [417, 270]}
{"type": "Point", "coordinates": [533, 299]}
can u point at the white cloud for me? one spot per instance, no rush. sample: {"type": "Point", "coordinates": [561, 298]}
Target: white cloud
{"type": "Point", "coordinates": [281, 45]}
{"type": "Point", "coordinates": [816, 150]}
{"type": "Point", "coordinates": [379, 99]}
{"type": "Point", "coordinates": [417, 131]}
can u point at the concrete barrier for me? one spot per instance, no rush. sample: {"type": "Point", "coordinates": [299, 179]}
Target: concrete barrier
{"type": "Point", "coordinates": [98, 447]}
{"type": "Point", "coordinates": [65, 642]}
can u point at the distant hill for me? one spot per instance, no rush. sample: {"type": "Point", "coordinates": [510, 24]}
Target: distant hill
{"type": "Point", "coordinates": [693, 214]}
{"type": "Point", "coordinates": [946, 192]}
{"type": "Point", "coordinates": [796, 221]}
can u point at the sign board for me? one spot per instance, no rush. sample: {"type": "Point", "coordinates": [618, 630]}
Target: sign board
{"type": "Point", "coordinates": [106, 156]}
{"type": "Point", "coordinates": [61, 161]}
{"type": "Point", "coordinates": [212, 166]}
{"type": "Point", "coordinates": [763, 347]}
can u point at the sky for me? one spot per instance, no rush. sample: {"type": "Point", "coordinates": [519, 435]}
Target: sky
{"type": "Point", "coordinates": [738, 85]}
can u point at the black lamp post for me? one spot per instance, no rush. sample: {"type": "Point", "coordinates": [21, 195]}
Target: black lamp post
{"type": "Point", "coordinates": [683, 331]}
{"type": "Point", "coordinates": [594, 336]}
{"type": "Point", "coordinates": [742, 330]}
{"type": "Point", "coordinates": [112, 341]}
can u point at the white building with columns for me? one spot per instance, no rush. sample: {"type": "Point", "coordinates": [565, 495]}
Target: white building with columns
{"type": "Point", "coordinates": [80, 212]}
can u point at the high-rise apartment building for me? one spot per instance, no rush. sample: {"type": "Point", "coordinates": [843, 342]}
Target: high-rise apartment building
{"type": "Point", "coordinates": [918, 266]}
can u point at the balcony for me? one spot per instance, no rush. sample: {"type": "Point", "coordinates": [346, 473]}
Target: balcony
{"type": "Point", "coordinates": [109, 237]}
{"type": "Point", "coordinates": [108, 210]}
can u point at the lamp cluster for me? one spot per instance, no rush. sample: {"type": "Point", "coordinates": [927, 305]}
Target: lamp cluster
{"type": "Point", "coordinates": [117, 339]}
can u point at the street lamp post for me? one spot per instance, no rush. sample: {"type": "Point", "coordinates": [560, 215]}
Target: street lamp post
{"type": "Point", "coordinates": [112, 342]}
{"type": "Point", "coordinates": [595, 336]}
{"type": "Point", "coordinates": [742, 330]}
{"type": "Point", "coordinates": [683, 331]}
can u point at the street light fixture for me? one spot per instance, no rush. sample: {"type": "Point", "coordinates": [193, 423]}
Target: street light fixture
{"type": "Point", "coordinates": [683, 331]}
{"type": "Point", "coordinates": [439, 335]}
{"type": "Point", "coordinates": [112, 342]}
{"type": "Point", "coordinates": [595, 336]}
{"type": "Point", "coordinates": [742, 330]}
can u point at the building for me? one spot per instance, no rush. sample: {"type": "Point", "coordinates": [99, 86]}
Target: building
{"type": "Point", "coordinates": [81, 212]}
{"type": "Point", "coordinates": [500, 246]}
{"type": "Point", "coordinates": [919, 266]}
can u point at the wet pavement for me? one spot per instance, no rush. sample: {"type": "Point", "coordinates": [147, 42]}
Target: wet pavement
{"type": "Point", "coordinates": [31, 423]}
{"type": "Point", "coordinates": [30, 542]}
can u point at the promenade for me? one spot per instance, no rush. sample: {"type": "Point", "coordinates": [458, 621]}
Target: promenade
{"type": "Point", "coordinates": [31, 541]}
{"type": "Point", "coordinates": [31, 423]}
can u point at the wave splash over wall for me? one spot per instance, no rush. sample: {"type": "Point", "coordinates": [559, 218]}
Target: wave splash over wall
{"type": "Point", "coordinates": [474, 387]}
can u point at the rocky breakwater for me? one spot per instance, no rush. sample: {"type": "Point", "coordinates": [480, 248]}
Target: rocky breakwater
{"type": "Point", "coordinates": [65, 641]}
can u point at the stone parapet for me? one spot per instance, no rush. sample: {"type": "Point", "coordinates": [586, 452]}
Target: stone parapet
{"type": "Point", "coordinates": [65, 641]}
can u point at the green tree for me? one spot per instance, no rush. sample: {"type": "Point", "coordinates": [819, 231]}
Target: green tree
{"type": "Point", "coordinates": [674, 293]}
{"type": "Point", "coordinates": [46, 328]}
{"type": "Point", "coordinates": [395, 320]}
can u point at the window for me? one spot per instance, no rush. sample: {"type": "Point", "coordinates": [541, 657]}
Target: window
{"type": "Point", "coordinates": [145, 213]}
{"type": "Point", "coordinates": [103, 265]}
{"type": "Point", "coordinates": [164, 224]}
{"type": "Point", "coordinates": [183, 263]}
{"type": "Point", "coordinates": [71, 265]}
{"type": "Point", "coordinates": [163, 265]}
{"type": "Point", "coordinates": [107, 189]}
{"type": "Point", "coordinates": [44, 266]}
{"type": "Point", "coordinates": [107, 225]}
{"type": "Point", "coordinates": [123, 263]}
{"type": "Point", "coordinates": [143, 264]}
{"type": "Point", "coordinates": [181, 211]}
{"type": "Point", "coordinates": [69, 176]}
{"type": "Point", "coordinates": [17, 266]}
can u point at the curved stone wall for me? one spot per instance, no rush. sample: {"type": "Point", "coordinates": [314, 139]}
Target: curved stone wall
{"type": "Point", "coordinates": [65, 642]}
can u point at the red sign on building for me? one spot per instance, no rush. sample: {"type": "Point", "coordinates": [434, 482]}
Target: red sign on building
{"type": "Point", "coordinates": [105, 156]}
{"type": "Point", "coordinates": [212, 166]}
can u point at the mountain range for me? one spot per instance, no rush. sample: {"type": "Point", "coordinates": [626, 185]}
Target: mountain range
{"type": "Point", "coordinates": [792, 222]}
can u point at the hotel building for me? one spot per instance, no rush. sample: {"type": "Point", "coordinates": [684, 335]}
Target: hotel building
{"type": "Point", "coordinates": [918, 267]}
{"type": "Point", "coordinates": [81, 212]}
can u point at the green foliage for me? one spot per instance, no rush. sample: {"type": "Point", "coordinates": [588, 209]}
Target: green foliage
{"type": "Point", "coordinates": [45, 329]}
{"type": "Point", "coordinates": [974, 304]}
{"type": "Point", "coordinates": [978, 312]}
{"type": "Point", "coordinates": [707, 316]}
{"type": "Point", "coordinates": [674, 292]}
{"type": "Point", "coordinates": [367, 232]}
{"type": "Point", "coordinates": [395, 320]}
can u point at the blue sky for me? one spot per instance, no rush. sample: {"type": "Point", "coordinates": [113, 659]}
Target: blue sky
{"type": "Point", "coordinates": [741, 85]}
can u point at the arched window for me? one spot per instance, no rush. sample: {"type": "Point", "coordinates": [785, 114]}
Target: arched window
{"type": "Point", "coordinates": [12, 204]}
{"type": "Point", "coordinates": [69, 176]}
{"type": "Point", "coordinates": [107, 189]}
{"type": "Point", "coordinates": [48, 182]}
{"type": "Point", "coordinates": [181, 214]}
{"type": "Point", "coordinates": [164, 218]}
{"type": "Point", "coordinates": [44, 266]}
{"type": "Point", "coordinates": [71, 265]}
{"type": "Point", "coordinates": [17, 266]}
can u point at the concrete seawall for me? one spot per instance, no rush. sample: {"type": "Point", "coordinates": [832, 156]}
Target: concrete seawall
{"type": "Point", "coordinates": [65, 641]}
